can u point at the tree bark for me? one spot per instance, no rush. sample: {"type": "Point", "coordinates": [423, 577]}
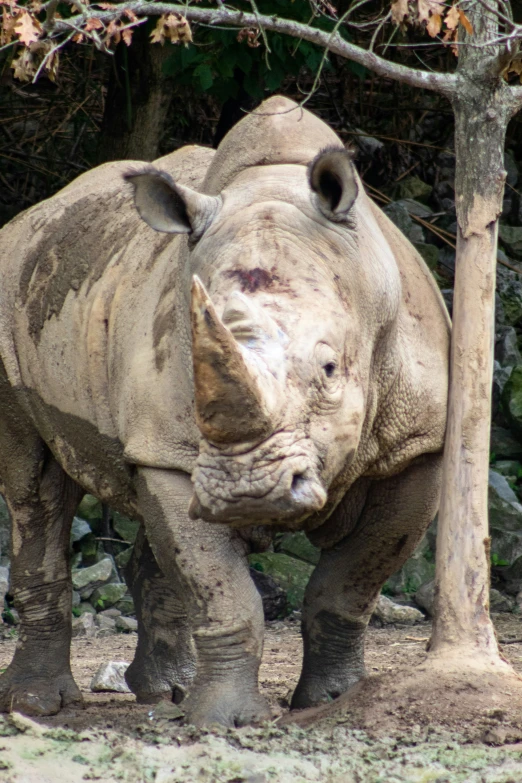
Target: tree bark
{"type": "Point", "coordinates": [483, 106]}
{"type": "Point", "coordinates": [138, 100]}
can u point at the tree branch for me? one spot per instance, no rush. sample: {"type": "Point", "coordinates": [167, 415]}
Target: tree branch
{"type": "Point", "coordinates": [445, 83]}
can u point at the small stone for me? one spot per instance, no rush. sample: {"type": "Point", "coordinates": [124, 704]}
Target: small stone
{"type": "Point", "coordinates": [389, 612]}
{"type": "Point", "coordinates": [167, 710]}
{"type": "Point", "coordinates": [112, 612]}
{"type": "Point", "coordinates": [4, 585]}
{"type": "Point", "coordinates": [122, 558]}
{"type": "Point", "coordinates": [503, 444]}
{"type": "Point", "coordinates": [425, 596]}
{"type": "Point", "coordinates": [107, 595]}
{"type": "Point", "coordinates": [511, 237]}
{"type": "Point", "coordinates": [111, 677]}
{"type": "Point", "coordinates": [76, 599]}
{"type": "Point", "coordinates": [106, 625]}
{"type": "Point", "coordinates": [125, 527]}
{"type": "Point", "coordinates": [79, 529]}
{"type": "Point", "coordinates": [413, 188]}
{"type": "Point", "coordinates": [86, 580]}
{"type": "Point", "coordinates": [298, 545]}
{"type": "Point", "coordinates": [90, 508]}
{"type": "Point", "coordinates": [84, 626]}
{"type": "Point", "coordinates": [126, 624]}
{"type": "Point", "coordinates": [499, 602]}
{"type": "Point", "coordinates": [85, 608]}
{"type": "Point", "coordinates": [272, 595]}
{"type": "Point", "coordinates": [126, 606]}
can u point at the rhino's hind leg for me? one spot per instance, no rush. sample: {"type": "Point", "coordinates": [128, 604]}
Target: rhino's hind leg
{"type": "Point", "coordinates": [41, 501]}
{"type": "Point", "coordinates": [344, 588]}
{"type": "Point", "coordinates": [164, 662]}
{"type": "Point", "coordinates": [209, 562]}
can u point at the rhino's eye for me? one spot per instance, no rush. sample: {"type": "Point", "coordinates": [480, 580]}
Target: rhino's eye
{"type": "Point", "coordinates": [329, 369]}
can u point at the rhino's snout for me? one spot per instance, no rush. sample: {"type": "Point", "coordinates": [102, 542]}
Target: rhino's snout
{"type": "Point", "coordinates": [269, 485]}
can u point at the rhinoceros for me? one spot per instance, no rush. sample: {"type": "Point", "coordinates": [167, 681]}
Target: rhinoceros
{"type": "Point", "coordinates": [217, 343]}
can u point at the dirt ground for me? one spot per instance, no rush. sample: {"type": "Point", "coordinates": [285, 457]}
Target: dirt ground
{"type": "Point", "coordinates": [115, 739]}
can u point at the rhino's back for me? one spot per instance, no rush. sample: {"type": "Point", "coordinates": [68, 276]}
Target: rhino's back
{"type": "Point", "coordinates": [62, 263]}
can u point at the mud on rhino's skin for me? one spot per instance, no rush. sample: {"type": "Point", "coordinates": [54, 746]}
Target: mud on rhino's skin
{"type": "Point", "coordinates": [289, 355]}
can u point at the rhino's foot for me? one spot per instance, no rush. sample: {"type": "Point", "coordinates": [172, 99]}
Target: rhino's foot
{"type": "Point", "coordinates": [38, 696]}
{"type": "Point", "coordinates": [225, 703]}
{"type": "Point", "coordinates": [314, 690]}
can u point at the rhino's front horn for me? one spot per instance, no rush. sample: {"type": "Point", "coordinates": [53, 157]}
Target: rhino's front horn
{"type": "Point", "coordinates": [230, 405]}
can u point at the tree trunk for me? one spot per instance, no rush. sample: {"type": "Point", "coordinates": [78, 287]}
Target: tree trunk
{"type": "Point", "coordinates": [462, 627]}
{"type": "Point", "coordinates": [138, 100]}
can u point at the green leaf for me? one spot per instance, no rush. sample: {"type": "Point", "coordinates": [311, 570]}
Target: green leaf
{"type": "Point", "coordinates": [203, 74]}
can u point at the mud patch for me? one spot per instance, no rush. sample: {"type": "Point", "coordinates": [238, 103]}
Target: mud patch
{"type": "Point", "coordinates": [114, 739]}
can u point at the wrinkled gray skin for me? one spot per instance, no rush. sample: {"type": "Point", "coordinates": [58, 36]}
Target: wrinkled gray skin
{"type": "Point", "coordinates": [269, 335]}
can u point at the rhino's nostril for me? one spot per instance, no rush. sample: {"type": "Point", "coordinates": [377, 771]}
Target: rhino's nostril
{"type": "Point", "coordinates": [298, 481]}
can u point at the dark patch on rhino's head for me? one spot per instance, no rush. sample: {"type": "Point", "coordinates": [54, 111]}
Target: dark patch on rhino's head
{"type": "Point", "coordinates": [253, 280]}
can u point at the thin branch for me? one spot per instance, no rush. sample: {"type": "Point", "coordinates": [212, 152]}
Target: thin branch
{"type": "Point", "coordinates": [447, 84]}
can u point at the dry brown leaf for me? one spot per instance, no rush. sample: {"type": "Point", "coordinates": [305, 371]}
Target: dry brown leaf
{"type": "Point", "coordinates": [172, 26]}
{"type": "Point", "coordinates": [27, 28]}
{"type": "Point", "coordinates": [466, 24]}
{"type": "Point", "coordinates": [127, 36]}
{"type": "Point", "coordinates": [399, 9]}
{"type": "Point", "coordinates": [451, 20]}
{"type": "Point", "coordinates": [427, 7]}
{"type": "Point", "coordinates": [24, 66]}
{"type": "Point", "coordinates": [113, 32]}
{"type": "Point", "coordinates": [93, 24]}
{"type": "Point", "coordinates": [78, 38]}
{"type": "Point", "coordinates": [131, 16]}
{"type": "Point", "coordinates": [455, 48]}
{"type": "Point", "coordinates": [251, 36]}
{"type": "Point", "coordinates": [434, 25]}
{"type": "Point", "coordinates": [52, 64]}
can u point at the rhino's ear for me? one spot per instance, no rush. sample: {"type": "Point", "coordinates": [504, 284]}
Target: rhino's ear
{"type": "Point", "coordinates": [167, 206]}
{"type": "Point", "coordinates": [332, 178]}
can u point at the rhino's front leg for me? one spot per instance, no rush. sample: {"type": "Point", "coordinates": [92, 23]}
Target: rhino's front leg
{"type": "Point", "coordinates": [225, 609]}
{"type": "Point", "coordinates": [164, 662]}
{"type": "Point", "coordinates": [344, 588]}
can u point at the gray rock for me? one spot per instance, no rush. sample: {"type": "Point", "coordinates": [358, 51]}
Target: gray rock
{"type": "Point", "coordinates": [298, 545]}
{"type": "Point", "coordinates": [107, 595]}
{"type": "Point", "coordinates": [505, 519]}
{"type": "Point", "coordinates": [503, 444]}
{"type": "Point", "coordinates": [511, 237]}
{"type": "Point", "coordinates": [512, 400]}
{"type": "Point", "coordinates": [126, 606]}
{"type": "Point", "coordinates": [389, 612]}
{"type": "Point", "coordinates": [499, 602]}
{"type": "Point", "coordinates": [90, 508]}
{"type": "Point", "coordinates": [291, 575]}
{"type": "Point", "coordinates": [399, 215]}
{"type": "Point", "coordinates": [415, 572]}
{"type": "Point", "coordinates": [425, 597]}
{"type": "Point", "coordinates": [415, 207]}
{"type": "Point", "coordinates": [112, 612]}
{"type": "Point", "coordinates": [508, 467]}
{"type": "Point", "coordinates": [122, 558]}
{"type": "Point", "coordinates": [111, 677]}
{"type": "Point", "coordinates": [126, 624]}
{"type": "Point", "coordinates": [500, 378]}
{"type": "Point", "coordinates": [413, 188]}
{"type": "Point", "coordinates": [85, 608]}
{"type": "Point", "coordinates": [76, 599]}
{"type": "Point", "coordinates": [86, 580]}
{"type": "Point", "coordinates": [509, 288]}
{"type": "Point", "coordinates": [106, 625]}
{"type": "Point", "coordinates": [506, 347]}
{"type": "Point", "coordinates": [79, 529]}
{"type": "Point", "coordinates": [125, 527]}
{"type": "Point", "coordinates": [272, 595]}
{"type": "Point", "coordinates": [511, 167]}
{"type": "Point", "coordinates": [4, 585]}
{"type": "Point", "coordinates": [84, 626]}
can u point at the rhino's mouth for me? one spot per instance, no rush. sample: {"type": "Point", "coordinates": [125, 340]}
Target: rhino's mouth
{"type": "Point", "coordinates": [277, 481]}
